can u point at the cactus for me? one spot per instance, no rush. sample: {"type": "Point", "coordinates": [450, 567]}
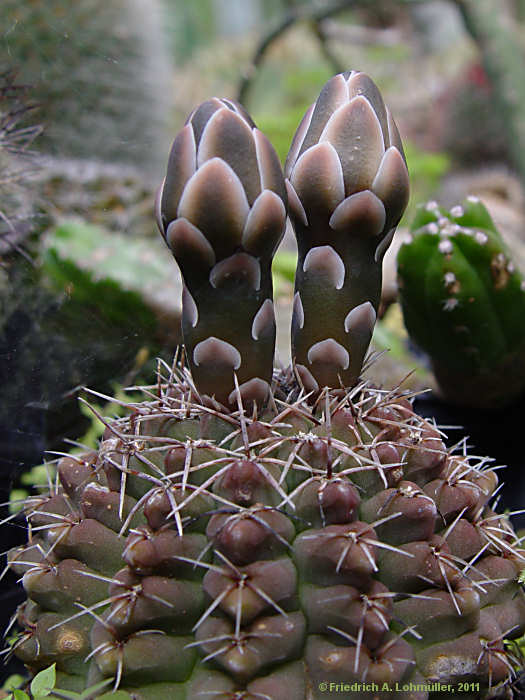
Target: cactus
{"type": "Point", "coordinates": [263, 541]}
{"type": "Point", "coordinates": [100, 73]}
{"type": "Point", "coordinates": [15, 144]}
{"type": "Point", "coordinates": [457, 271]}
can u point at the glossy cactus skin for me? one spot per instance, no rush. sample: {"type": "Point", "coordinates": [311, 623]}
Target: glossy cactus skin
{"type": "Point", "coordinates": [348, 187]}
{"type": "Point", "coordinates": [464, 301]}
{"type": "Point", "coordinates": [262, 557]}
{"type": "Point", "coordinates": [222, 212]}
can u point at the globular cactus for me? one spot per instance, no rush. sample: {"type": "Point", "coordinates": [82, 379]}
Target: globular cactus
{"type": "Point", "coordinates": [16, 139]}
{"type": "Point", "coordinates": [222, 211]}
{"type": "Point", "coordinates": [463, 302]}
{"type": "Point", "coordinates": [348, 187]}
{"type": "Point", "coordinates": [100, 73]}
{"type": "Point", "coordinates": [313, 545]}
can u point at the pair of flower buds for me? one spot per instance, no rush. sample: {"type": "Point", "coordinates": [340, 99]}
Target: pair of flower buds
{"type": "Point", "coordinates": [222, 210]}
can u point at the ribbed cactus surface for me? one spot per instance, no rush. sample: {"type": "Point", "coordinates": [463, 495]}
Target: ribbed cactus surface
{"type": "Point", "coordinates": [296, 537]}
{"type": "Point", "coordinates": [261, 557]}
{"type": "Point", "coordinates": [463, 301]}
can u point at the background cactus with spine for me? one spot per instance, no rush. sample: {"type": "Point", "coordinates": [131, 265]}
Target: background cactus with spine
{"type": "Point", "coordinates": [100, 73]}
{"type": "Point", "coordinates": [463, 302]}
{"type": "Point", "coordinates": [16, 138]}
{"type": "Point", "coordinates": [273, 544]}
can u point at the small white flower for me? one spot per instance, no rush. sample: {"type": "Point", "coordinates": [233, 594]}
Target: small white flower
{"type": "Point", "coordinates": [450, 229]}
{"type": "Point", "coordinates": [481, 237]}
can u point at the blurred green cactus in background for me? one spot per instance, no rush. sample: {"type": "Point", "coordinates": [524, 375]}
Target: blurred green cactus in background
{"type": "Point", "coordinates": [100, 72]}
{"type": "Point", "coordinates": [16, 139]}
{"type": "Point", "coordinates": [463, 301]}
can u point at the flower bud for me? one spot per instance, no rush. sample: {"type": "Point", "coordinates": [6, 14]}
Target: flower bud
{"type": "Point", "coordinates": [222, 212]}
{"type": "Point", "coordinates": [347, 189]}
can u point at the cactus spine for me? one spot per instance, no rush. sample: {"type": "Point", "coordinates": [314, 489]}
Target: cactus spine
{"type": "Point", "coordinates": [458, 272]}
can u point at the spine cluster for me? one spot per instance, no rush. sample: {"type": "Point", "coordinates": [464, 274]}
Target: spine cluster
{"type": "Point", "coordinates": [457, 271]}
{"type": "Point", "coordinates": [339, 543]}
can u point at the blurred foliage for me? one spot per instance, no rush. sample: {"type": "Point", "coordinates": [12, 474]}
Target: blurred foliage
{"type": "Point", "coordinates": [280, 128]}
{"type": "Point", "coordinates": [424, 166]}
{"type": "Point", "coordinates": [61, 327]}
{"type": "Point", "coordinates": [105, 297]}
{"type": "Point", "coordinates": [91, 263]}
{"type": "Point", "coordinates": [287, 98]}
{"type": "Point", "coordinates": [426, 172]}
{"type": "Point", "coordinates": [499, 39]}
{"type": "Point", "coordinates": [193, 25]}
{"type": "Point", "coordinates": [472, 124]}
{"type": "Point", "coordinates": [46, 685]}
{"type": "Point", "coordinates": [390, 335]}
{"type": "Point", "coordinates": [284, 264]}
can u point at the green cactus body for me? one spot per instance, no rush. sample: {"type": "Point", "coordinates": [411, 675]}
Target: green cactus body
{"type": "Point", "coordinates": [355, 548]}
{"type": "Point", "coordinates": [463, 301]}
{"type": "Point", "coordinates": [236, 537]}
